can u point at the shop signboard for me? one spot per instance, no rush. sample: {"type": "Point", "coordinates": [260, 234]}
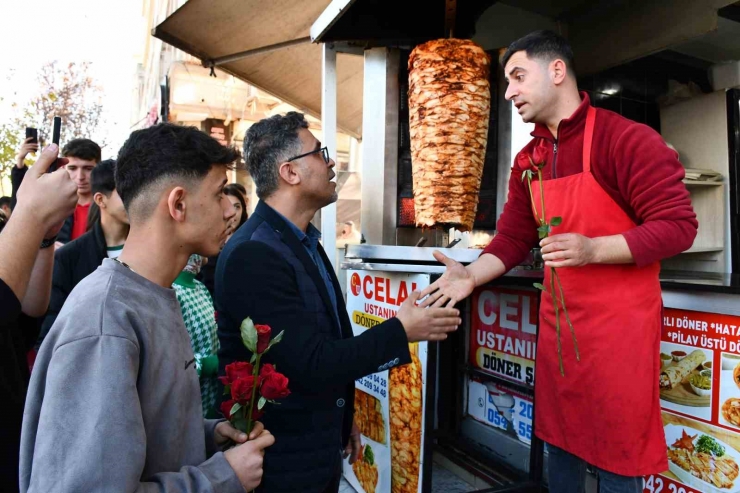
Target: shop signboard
{"type": "Point", "coordinates": [700, 402]}
{"type": "Point", "coordinates": [390, 404]}
{"type": "Point", "coordinates": [503, 332]}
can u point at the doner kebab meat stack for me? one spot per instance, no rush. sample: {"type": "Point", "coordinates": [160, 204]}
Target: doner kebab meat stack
{"type": "Point", "coordinates": [449, 106]}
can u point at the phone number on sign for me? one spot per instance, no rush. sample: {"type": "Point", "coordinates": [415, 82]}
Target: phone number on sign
{"type": "Point", "coordinates": [374, 383]}
{"type": "Point", "coordinates": [659, 484]}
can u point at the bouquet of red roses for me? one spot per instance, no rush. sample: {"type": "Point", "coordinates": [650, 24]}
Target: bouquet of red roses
{"type": "Point", "coordinates": [244, 381]}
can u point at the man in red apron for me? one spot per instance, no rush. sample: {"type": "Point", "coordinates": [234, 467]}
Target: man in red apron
{"type": "Point", "coordinates": [618, 189]}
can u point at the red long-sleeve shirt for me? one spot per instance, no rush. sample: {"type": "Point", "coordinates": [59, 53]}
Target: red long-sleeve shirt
{"type": "Point", "coordinates": [631, 163]}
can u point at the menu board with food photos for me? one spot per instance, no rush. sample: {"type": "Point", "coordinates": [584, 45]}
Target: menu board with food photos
{"type": "Point", "coordinates": [700, 401]}
{"type": "Point", "coordinates": [389, 404]}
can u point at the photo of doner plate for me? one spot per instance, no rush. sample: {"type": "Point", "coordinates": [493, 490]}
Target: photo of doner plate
{"type": "Point", "coordinates": [702, 461]}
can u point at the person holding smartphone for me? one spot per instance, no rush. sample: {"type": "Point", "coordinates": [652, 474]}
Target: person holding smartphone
{"type": "Point", "coordinates": [30, 146]}
{"type": "Point", "coordinates": [26, 265]}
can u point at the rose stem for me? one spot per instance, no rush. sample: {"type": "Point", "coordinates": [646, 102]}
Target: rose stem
{"type": "Point", "coordinates": [255, 373]}
{"type": "Point", "coordinates": [567, 317]}
{"type": "Point", "coordinates": [557, 320]}
{"type": "Point", "coordinates": [542, 196]}
{"type": "Point", "coordinates": [531, 197]}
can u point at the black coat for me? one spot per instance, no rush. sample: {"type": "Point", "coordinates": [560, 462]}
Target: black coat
{"type": "Point", "coordinates": [72, 263]}
{"type": "Point", "coordinates": [265, 273]}
{"type": "Point", "coordinates": [17, 334]}
{"type": "Point", "coordinates": [65, 234]}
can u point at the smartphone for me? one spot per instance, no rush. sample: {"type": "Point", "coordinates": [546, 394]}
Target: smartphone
{"type": "Point", "coordinates": [55, 140]}
{"type": "Point", "coordinates": [32, 133]}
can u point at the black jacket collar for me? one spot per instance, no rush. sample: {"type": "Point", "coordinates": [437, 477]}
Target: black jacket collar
{"type": "Point", "coordinates": [277, 222]}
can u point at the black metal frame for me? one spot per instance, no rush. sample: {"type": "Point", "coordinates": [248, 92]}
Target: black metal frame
{"type": "Point", "coordinates": [431, 394]}
{"type": "Point", "coordinates": [733, 142]}
{"type": "Point", "coordinates": [449, 443]}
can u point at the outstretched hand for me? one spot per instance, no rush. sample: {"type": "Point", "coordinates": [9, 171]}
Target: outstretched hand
{"type": "Point", "coordinates": [455, 285]}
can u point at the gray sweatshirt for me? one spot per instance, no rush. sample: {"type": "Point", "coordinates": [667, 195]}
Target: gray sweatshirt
{"type": "Point", "coordinates": [114, 401]}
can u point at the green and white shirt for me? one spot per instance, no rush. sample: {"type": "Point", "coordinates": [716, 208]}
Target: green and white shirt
{"type": "Point", "coordinates": [200, 320]}
{"type": "Point", "coordinates": [114, 251]}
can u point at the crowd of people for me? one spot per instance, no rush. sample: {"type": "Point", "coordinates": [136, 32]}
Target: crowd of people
{"type": "Point", "coordinates": [111, 344]}
{"type": "Point", "coordinates": [124, 283]}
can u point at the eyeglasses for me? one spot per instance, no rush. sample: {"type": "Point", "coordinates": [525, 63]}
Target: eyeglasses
{"type": "Point", "coordinates": [324, 153]}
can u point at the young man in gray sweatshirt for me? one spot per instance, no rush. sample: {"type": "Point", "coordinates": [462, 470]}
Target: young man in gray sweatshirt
{"type": "Point", "coordinates": [114, 401]}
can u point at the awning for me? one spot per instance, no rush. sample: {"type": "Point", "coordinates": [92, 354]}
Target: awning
{"type": "Point", "coordinates": [208, 30]}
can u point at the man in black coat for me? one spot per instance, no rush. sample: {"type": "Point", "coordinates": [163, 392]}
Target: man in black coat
{"type": "Point", "coordinates": [275, 271]}
{"type": "Point", "coordinates": [76, 260]}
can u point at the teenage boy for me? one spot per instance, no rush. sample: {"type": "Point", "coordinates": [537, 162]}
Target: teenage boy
{"type": "Point", "coordinates": [114, 402]}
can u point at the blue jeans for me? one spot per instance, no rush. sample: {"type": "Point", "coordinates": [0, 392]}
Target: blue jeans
{"type": "Point", "coordinates": [566, 473]}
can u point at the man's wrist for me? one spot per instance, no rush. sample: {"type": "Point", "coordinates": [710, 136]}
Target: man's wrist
{"type": "Point", "coordinates": [30, 217]}
{"type": "Point", "coordinates": [597, 250]}
{"type": "Point", "coordinates": [471, 271]}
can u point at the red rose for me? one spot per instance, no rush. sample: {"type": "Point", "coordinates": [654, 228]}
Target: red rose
{"type": "Point", "coordinates": [235, 371]}
{"type": "Point", "coordinates": [257, 414]}
{"type": "Point", "coordinates": [263, 337]}
{"type": "Point", "coordinates": [523, 161]}
{"type": "Point", "coordinates": [275, 386]}
{"type": "Point", "coordinates": [241, 390]}
{"type": "Point", "coordinates": [539, 154]}
{"type": "Point", "coordinates": [266, 369]}
{"type": "Point", "coordinates": [226, 408]}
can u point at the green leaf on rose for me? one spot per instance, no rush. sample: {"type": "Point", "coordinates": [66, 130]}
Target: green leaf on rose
{"type": "Point", "coordinates": [556, 221]}
{"type": "Point", "coordinates": [276, 339]}
{"type": "Point", "coordinates": [254, 358]}
{"type": "Point", "coordinates": [261, 403]}
{"type": "Point", "coordinates": [235, 408]}
{"type": "Point", "coordinates": [543, 231]}
{"type": "Point", "coordinates": [249, 334]}
{"type": "Point", "coordinates": [539, 286]}
{"type": "Point", "coordinates": [227, 389]}
{"type": "Point", "coordinates": [240, 423]}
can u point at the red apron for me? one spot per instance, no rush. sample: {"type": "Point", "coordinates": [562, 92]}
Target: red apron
{"type": "Point", "coordinates": [606, 409]}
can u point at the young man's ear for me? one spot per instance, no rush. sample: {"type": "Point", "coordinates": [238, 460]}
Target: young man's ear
{"type": "Point", "coordinates": [176, 203]}
{"type": "Point", "coordinates": [558, 71]}
{"type": "Point", "coordinates": [99, 200]}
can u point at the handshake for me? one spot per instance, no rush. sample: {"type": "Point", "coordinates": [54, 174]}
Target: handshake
{"type": "Point", "coordinates": [427, 323]}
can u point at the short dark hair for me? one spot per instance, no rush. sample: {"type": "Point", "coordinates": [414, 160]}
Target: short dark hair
{"type": "Point", "coordinates": [165, 151]}
{"type": "Point", "coordinates": [103, 177]}
{"type": "Point", "coordinates": [3, 220]}
{"type": "Point", "coordinates": [239, 187]}
{"type": "Point", "coordinates": [268, 143]}
{"type": "Point", "coordinates": [542, 45]}
{"type": "Point", "coordinates": [82, 149]}
{"type": "Point", "coordinates": [233, 190]}
{"type": "Point", "coordinates": [5, 201]}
